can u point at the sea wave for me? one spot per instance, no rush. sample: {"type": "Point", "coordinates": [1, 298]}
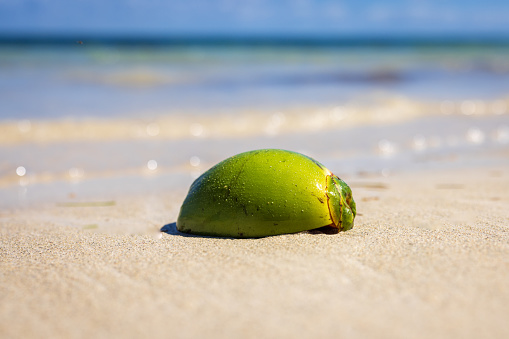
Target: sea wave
{"type": "Point", "coordinates": [376, 109]}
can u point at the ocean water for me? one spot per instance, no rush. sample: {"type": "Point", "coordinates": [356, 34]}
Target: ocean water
{"type": "Point", "coordinates": [97, 121]}
{"type": "Point", "coordinates": [95, 80]}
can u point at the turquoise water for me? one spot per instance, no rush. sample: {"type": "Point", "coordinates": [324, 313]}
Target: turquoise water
{"type": "Point", "coordinates": [91, 80]}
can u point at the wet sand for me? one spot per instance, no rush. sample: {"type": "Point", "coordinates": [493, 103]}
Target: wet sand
{"type": "Point", "coordinates": [428, 257]}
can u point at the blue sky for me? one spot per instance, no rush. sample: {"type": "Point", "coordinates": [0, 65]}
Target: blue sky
{"type": "Point", "coordinates": [255, 17]}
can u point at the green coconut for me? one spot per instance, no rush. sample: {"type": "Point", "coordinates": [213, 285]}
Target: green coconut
{"type": "Point", "coordinates": [266, 192]}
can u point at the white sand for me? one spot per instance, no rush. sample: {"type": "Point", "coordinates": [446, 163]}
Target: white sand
{"type": "Point", "coordinates": [427, 258]}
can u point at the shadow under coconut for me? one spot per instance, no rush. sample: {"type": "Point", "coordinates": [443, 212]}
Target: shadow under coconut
{"type": "Point", "coordinates": [171, 229]}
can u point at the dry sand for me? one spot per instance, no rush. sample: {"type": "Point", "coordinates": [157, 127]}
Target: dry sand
{"type": "Point", "coordinates": [428, 258]}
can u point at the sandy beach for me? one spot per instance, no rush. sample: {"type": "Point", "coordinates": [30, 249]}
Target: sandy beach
{"type": "Point", "coordinates": [428, 257]}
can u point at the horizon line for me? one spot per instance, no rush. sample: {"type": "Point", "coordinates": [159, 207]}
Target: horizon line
{"type": "Point", "coordinates": [255, 40]}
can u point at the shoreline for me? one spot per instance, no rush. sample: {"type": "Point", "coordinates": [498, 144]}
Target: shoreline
{"type": "Point", "coordinates": [154, 160]}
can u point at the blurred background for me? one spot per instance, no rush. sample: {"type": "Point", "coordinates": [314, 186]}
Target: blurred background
{"type": "Point", "coordinates": [100, 99]}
